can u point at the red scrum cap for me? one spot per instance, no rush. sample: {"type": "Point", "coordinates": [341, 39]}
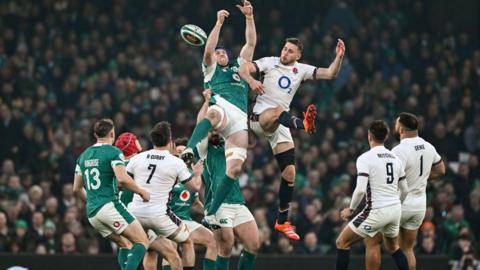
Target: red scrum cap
{"type": "Point", "coordinates": [127, 142]}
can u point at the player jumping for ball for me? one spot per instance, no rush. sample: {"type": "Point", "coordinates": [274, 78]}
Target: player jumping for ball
{"type": "Point", "coordinates": [227, 112]}
{"type": "Point", "coordinates": [282, 76]}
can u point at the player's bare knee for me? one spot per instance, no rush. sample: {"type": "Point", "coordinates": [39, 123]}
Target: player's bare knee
{"type": "Point", "coordinates": [214, 117]}
{"type": "Point", "coordinates": [289, 174]}
{"type": "Point", "coordinates": [341, 243]}
{"type": "Point", "coordinates": [252, 246]}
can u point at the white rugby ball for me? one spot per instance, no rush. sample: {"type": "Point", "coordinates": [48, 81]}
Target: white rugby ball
{"type": "Point", "coordinates": [193, 35]}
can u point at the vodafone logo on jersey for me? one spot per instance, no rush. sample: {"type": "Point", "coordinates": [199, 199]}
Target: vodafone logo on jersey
{"type": "Point", "coordinates": [185, 195]}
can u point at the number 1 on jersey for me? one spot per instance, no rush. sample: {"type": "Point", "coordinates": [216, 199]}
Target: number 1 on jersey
{"type": "Point", "coordinates": [390, 177]}
{"type": "Point", "coordinates": [421, 165]}
{"type": "Point", "coordinates": [151, 167]}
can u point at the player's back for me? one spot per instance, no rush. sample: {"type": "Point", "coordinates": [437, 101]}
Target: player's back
{"type": "Point", "coordinates": [383, 170]}
{"type": "Point", "coordinates": [417, 157]}
{"type": "Point", "coordinates": [96, 166]}
{"type": "Point", "coordinates": [156, 171]}
{"type": "Point", "coordinates": [181, 201]}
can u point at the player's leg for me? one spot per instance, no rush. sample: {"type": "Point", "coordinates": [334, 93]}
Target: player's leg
{"type": "Point", "coordinates": [284, 151]}
{"type": "Point", "coordinates": [372, 252]}
{"type": "Point", "coordinates": [271, 118]}
{"type": "Point", "coordinates": [166, 248]}
{"type": "Point", "coordinates": [215, 118]}
{"type": "Point", "coordinates": [135, 233]}
{"type": "Point", "coordinates": [407, 240]}
{"type": "Point", "coordinates": [409, 224]}
{"type": "Point", "coordinates": [124, 247]}
{"type": "Point", "coordinates": [235, 154]}
{"type": "Point", "coordinates": [391, 245]}
{"type": "Point", "coordinates": [390, 233]}
{"type": "Point", "coordinates": [204, 237]}
{"type": "Point", "coordinates": [248, 235]}
{"type": "Point", "coordinates": [344, 241]}
{"type": "Point", "coordinates": [225, 240]}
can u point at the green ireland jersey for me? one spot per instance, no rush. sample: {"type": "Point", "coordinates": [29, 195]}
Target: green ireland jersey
{"type": "Point", "coordinates": [126, 195]}
{"type": "Point", "coordinates": [214, 173]}
{"type": "Point", "coordinates": [226, 83]}
{"type": "Point", "coordinates": [181, 199]}
{"type": "Point", "coordinates": [95, 165]}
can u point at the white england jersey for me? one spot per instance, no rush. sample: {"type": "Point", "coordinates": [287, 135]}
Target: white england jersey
{"type": "Point", "coordinates": [156, 171]}
{"type": "Point", "coordinates": [281, 82]}
{"type": "Point", "coordinates": [383, 170]}
{"type": "Point", "coordinates": [417, 156]}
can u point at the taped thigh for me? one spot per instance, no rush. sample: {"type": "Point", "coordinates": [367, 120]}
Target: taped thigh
{"type": "Point", "coordinates": [236, 153]}
{"type": "Point", "coordinates": [221, 111]}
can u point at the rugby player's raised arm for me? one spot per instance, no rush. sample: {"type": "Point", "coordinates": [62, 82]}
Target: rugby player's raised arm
{"type": "Point", "coordinates": [212, 41]}
{"type": "Point", "coordinates": [207, 94]}
{"type": "Point", "coordinates": [245, 72]}
{"type": "Point", "coordinates": [250, 32]}
{"type": "Point", "coordinates": [332, 71]}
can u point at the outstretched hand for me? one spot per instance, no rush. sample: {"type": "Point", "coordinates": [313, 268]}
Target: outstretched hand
{"type": "Point", "coordinates": [246, 9]}
{"type": "Point", "coordinates": [207, 94]}
{"type": "Point", "coordinates": [221, 15]}
{"type": "Point", "coordinates": [340, 49]}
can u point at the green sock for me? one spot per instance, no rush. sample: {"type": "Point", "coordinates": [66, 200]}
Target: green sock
{"type": "Point", "coordinates": [208, 264]}
{"type": "Point", "coordinates": [222, 191]}
{"type": "Point", "coordinates": [135, 256]}
{"type": "Point", "coordinates": [199, 133]}
{"type": "Point", "coordinates": [246, 261]}
{"type": "Point", "coordinates": [122, 257]}
{"type": "Point", "coordinates": [166, 267]}
{"type": "Point", "coordinates": [222, 263]}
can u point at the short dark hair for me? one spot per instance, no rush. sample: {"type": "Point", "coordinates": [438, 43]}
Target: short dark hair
{"type": "Point", "coordinates": [296, 42]}
{"type": "Point", "coordinates": [181, 141]}
{"type": "Point", "coordinates": [408, 120]}
{"type": "Point", "coordinates": [102, 127]}
{"type": "Point", "coordinates": [379, 130]}
{"type": "Point", "coordinates": [161, 134]}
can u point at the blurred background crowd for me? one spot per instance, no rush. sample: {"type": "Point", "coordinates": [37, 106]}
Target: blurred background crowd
{"type": "Point", "coordinates": [64, 64]}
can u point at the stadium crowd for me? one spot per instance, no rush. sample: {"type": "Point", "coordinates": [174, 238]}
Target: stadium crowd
{"type": "Point", "coordinates": [64, 64]}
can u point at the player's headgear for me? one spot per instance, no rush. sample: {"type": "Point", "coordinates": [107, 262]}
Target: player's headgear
{"type": "Point", "coordinates": [127, 143]}
{"type": "Point", "coordinates": [408, 120]}
{"type": "Point", "coordinates": [227, 51]}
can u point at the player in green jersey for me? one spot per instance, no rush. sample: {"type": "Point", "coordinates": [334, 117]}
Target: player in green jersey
{"type": "Point", "coordinates": [233, 216]}
{"type": "Point", "coordinates": [181, 202]}
{"type": "Point", "coordinates": [227, 112]}
{"type": "Point", "coordinates": [98, 169]}
{"type": "Point", "coordinates": [127, 142]}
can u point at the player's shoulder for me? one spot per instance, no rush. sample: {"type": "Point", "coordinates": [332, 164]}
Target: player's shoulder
{"type": "Point", "coordinates": [268, 60]}
{"type": "Point", "coordinates": [366, 156]}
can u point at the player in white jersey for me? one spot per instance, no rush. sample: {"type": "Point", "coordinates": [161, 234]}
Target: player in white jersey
{"type": "Point", "coordinates": [421, 162]}
{"type": "Point", "coordinates": [282, 76]}
{"type": "Point", "coordinates": [380, 175]}
{"type": "Point", "coordinates": [158, 170]}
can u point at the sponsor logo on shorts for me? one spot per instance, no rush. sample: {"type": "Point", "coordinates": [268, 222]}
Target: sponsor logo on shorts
{"type": "Point", "coordinates": [223, 221]}
{"type": "Point", "coordinates": [116, 224]}
{"type": "Point", "coordinates": [367, 227]}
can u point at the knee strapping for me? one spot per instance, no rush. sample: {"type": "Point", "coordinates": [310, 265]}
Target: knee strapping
{"type": "Point", "coordinates": [181, 235]}
{"type": "Point", "coordinates": [236, 153]}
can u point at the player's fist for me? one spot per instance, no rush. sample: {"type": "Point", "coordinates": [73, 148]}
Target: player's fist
{"type": "Point", "coordinates": [246, 9]}
{"type": "Point", "coordinates": [257, 86]}
{"type": "Point", "coordinates": [221, 15]}
{"type": "Point", "coordinates": [346, 214]}
{"type": "Point", "coordinates": [340, 49]}
{"type": "Point", "coordinates": [198, 168]}
{"type": "Point", "coordinates": [145, 195]}
{"type": "Point", "coordinates": [207, 94]}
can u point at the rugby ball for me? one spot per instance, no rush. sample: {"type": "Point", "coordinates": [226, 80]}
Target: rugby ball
{"type": "Point", "coordinates": [193, 35]}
